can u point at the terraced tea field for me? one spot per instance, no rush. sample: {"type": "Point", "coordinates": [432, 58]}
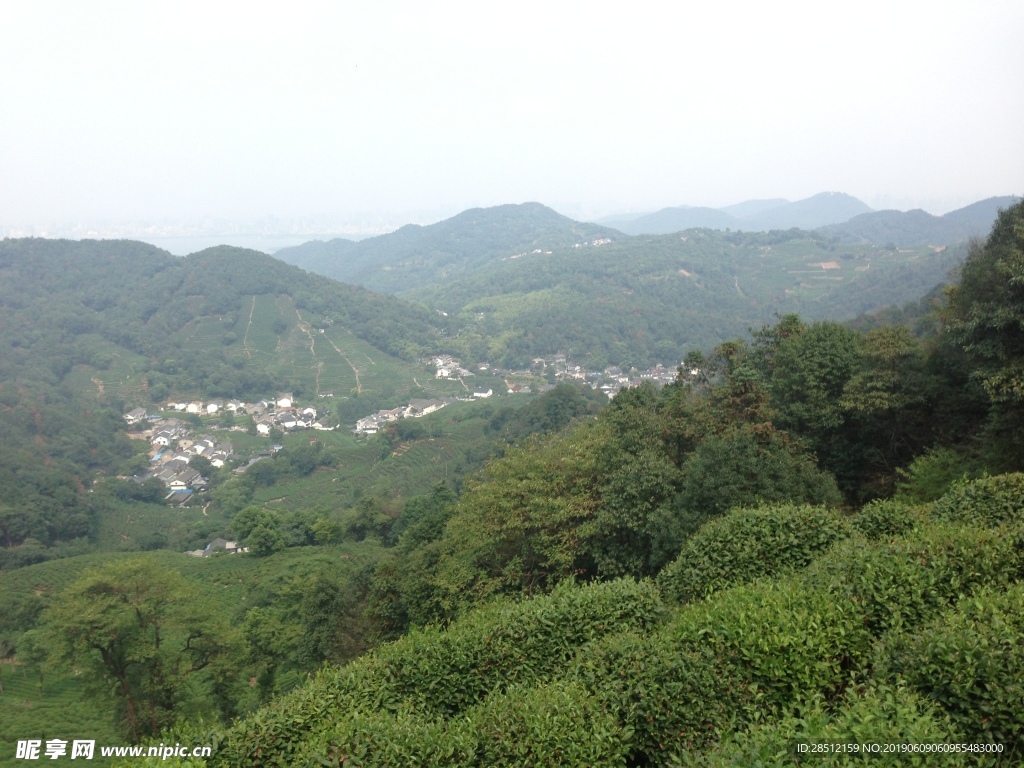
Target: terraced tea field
{"type": "Point", "coordinates": [411, 469]}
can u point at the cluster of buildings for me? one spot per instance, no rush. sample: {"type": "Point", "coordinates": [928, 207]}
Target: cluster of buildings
{"type": "Point", "coordinates": [281, 413]}
{"type": "Point", "coordinates": [447, 367]}
{"type": "Point", "coordinates": [610, 380]}
{"type": "Point", "coordinates": [208, 408]}
{"type": "Point", "coordinates": [172, 448]}
{"type": "Point", "coordinates": [370, 425]}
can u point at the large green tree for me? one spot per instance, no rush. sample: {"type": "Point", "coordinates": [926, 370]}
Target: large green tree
{"type": "Point", "coordinates": [985, 317]}
{"type": "Point", "coordinates": [138, 633]}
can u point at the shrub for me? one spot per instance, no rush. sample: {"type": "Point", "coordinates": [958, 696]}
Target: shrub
{"type": "Point", "coordinates": [789, 640]}
{"type": "Point", "coordinates": [555, 724]}
{"type": "Point", "coordinates": [550, 725]}
{"type": "Point", "coordinates": [488, 650]}
{"type": "Point", "coordinates": [879, 715]}
{"type": "Point", "coordinates": [884, 519]}
{"type": "Point", "coordinates": [969, 661]}
{"type": "Point", "coordinates": [747, 544]}
{"type": "Point", "coordinates": [670, 697]}
{"type": "Point", "coordinates": [900, 584]}
{"type": "Point", "coordinates": [441, 673]}
{"type": "Point", "coordinates": [379, 739]}
{"type": "Point", "coordinates": [989, 501]}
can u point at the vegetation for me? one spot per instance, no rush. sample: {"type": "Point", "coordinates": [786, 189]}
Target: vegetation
{"type": "Point", "coordinates": [841, 642]}
{"type": "Point", "coordinates": [517, 282]}
{"type": "Point", "coordinates": [814, 534]}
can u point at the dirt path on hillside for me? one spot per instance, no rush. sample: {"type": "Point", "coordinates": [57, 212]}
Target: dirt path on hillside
{"type": "Point", "coordinates": [308, 330]}
{"type": "Point", "coordinates": [245, 339]}
{"type": "Point", "coordinates": [359, 385]}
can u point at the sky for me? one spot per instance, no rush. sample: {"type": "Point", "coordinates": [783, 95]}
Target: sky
{"type": "Point", "coordinates": [313, 113]}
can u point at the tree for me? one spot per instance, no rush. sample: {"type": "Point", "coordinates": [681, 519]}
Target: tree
{"type": "Point", "coordinates": [890, 397]}
{"type": "Point", "coordinates": [260, 529]}
{"type": "Point", "coordinates": [985, 317]}
{"type": "Point", "coordinates": [202, 465]}
{"type": "Point", "coordinates": [745, 467]}
{"type": "Point", "coordinates": [135, 629]}
{"type": "Point", "coordinates": [517, 528]}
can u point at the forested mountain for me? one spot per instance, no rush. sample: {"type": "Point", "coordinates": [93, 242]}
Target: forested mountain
{"type": "Point", "coordinates": [677, 219]}
{"type": "Point", "coordinates": [91, 329]}
{"type": "Point", "coordinates": [751, 216]}
{"type": "Point", "coordinates": [518, 282]}
{"type": "Point", "coordinates": [415, 256]}
{"type": "Point", "coordinates": [90, 302]}
{"type": "Point", "coordinates": [909, 229]}
{"type": "Point", "coordinates": [646, 300]}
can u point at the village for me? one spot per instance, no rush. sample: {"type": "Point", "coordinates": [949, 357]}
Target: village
{"type": "Point", "coordinates": [174, 444]}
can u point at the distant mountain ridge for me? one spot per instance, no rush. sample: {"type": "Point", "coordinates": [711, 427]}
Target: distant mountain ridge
{"type": "Point", "coordinates": [909, 229]}
{"type": "Point", "coordinates": [749, 216]}
{"type": "Point", "coordinates": [417, 255]}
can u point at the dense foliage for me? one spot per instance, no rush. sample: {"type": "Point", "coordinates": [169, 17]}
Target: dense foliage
{"type": "Point", "coordinates": [915, 635]}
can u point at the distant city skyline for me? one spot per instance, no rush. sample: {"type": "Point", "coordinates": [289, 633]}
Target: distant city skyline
{"type": "Point", "coordinates": [357, 120]}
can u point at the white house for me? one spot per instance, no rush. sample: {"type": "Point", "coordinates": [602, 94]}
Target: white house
{"type": "Point", "coordinates": [135, 415]}
{"type": "Point", "coordinates": [483, 392]}
{"type": "Point", "coordinates": [284, 400]}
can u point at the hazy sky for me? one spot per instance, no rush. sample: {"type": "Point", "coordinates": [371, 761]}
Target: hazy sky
{"type": "Point", "coordinates": [141, 110]}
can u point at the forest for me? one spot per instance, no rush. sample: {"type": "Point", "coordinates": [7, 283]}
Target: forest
{"type": "Point", "coordinates": [814, 535]}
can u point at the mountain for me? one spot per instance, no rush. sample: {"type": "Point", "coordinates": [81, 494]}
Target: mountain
{"type": "Point", "coordinates": [753, 207]}
{"type": "Point", "coordinates": [751, 215]}
{"type": "Point", "coordinates": [915, 228]}
{"type": "Point", "coordinates": [517, 282]}
{"type": "Point", "coordinates": [616, 220]}
{"type": "Point", "coordinates": [129, 321]}
{"type": "Point", "coordinates": [817, 211]}
{"type": "Point", "coordinates": [643, 300]}
{"type": "Point", "coordinates": [677, 219]}
{"type": "Point", "coordinates": [416, 255]}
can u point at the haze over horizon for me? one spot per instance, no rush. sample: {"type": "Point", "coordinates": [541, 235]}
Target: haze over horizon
{"type": "Point", "coordinates": [320, 117]}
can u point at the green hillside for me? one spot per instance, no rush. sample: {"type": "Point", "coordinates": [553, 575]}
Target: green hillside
{"type": "Point", "coordinates": [92, 329]}
{"type": "Point", "coordinates": [416, 256]}
{"type": "Point", "coordinates": [899, 627]}
{"type": "Point", "coordinates": [640, 301]}
{"type": "Point", "coordinates": [519, 282]}
{"type": "Point", "coordinates": [222, 322]}
{"type": "Point", "coordinates": [45, 703]}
